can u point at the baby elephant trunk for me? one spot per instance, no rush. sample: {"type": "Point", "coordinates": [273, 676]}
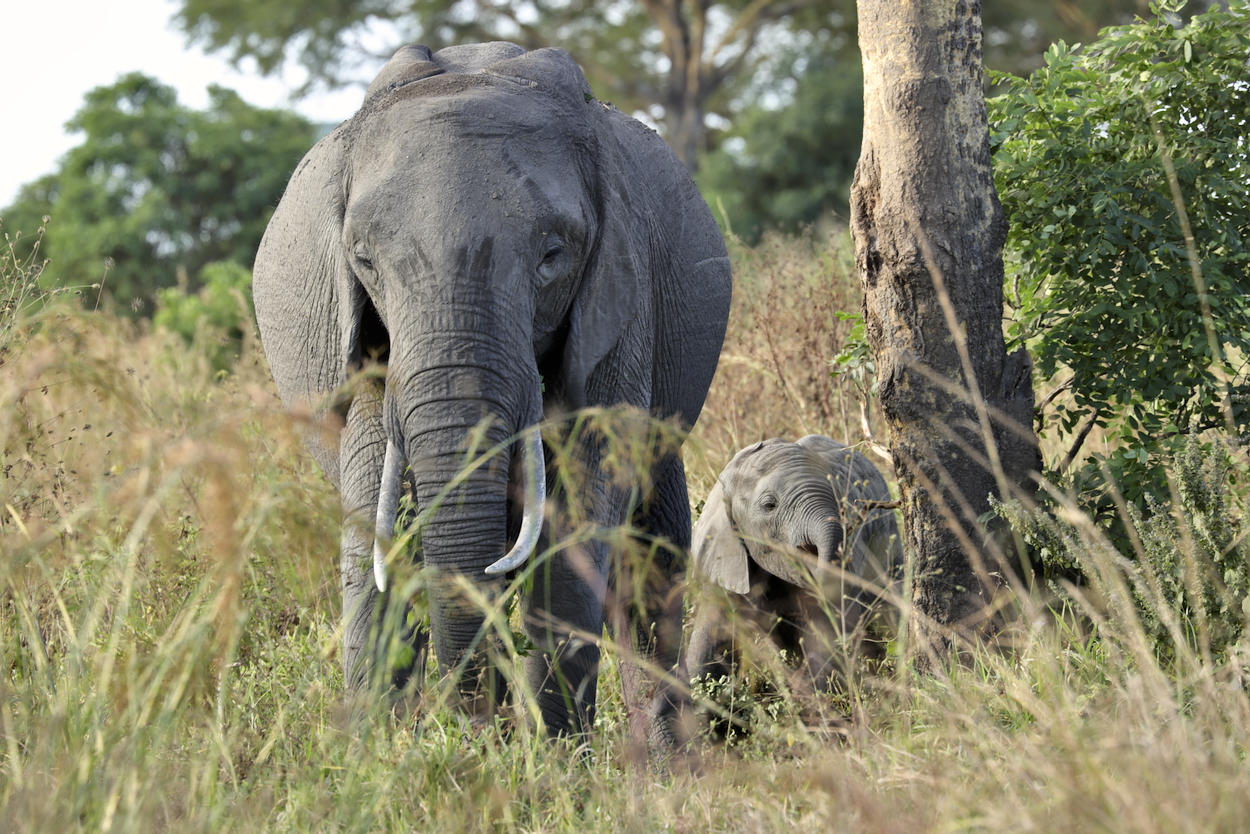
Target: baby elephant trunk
{"type": "Point", "coordinates": [827, 538]}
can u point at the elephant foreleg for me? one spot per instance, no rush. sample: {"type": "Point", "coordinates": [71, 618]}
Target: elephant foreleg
{"type": "Point", "coordinates": [564, 618]}
{"type": "Point", "coordinates": [647, 591]}
{"type": "Point", "coordinates": [380, 647]}
{"type": "Point", "coordinates": [564, 606]}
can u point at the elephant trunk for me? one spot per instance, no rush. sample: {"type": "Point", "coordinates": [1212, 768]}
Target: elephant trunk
{"type": "Point", "coordinates": [447, 415]}
{"type": "Point", "coordinates": [827, 538]}
{"type": "Point", "coordinates": [534, 472]}
{"type": "Point", "coordinates": [465, 515]}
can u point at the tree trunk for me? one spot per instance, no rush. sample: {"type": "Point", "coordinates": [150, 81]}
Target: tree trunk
{"type": "Point", "coordinates": [929, 231]}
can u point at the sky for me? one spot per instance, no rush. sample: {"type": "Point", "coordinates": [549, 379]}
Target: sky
{"type": "Point", "coordinates": [54, 51]}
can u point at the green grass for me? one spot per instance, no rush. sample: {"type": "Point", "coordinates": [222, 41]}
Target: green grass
{"type": "Point", "coordinates": [169, 604]}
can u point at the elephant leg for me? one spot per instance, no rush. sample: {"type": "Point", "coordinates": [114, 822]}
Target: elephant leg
{"type": "Point", "coordinates": [564, 619]}
{"type": "Point", "coordinates": [820, 641]}
{"type": "Point", "coordinates": [378, 639]}
{"type": "Point", "coordinates": [709, 659]}
{"type": "Point", "coordinates": [831, 638]}
{"type": "Point", "coordinates": [709, 654]}
{"type": "Point", "coordinates": [646, 589]}
{"type": "Point", "coordinates": [564, 605]}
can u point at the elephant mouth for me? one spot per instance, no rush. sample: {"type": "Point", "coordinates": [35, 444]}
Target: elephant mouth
{"type": "Point", "coordinates": [534, 474]}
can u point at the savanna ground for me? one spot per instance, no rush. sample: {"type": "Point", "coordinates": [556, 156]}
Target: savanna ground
{"type": "Point", "coordinates": [169, 602]}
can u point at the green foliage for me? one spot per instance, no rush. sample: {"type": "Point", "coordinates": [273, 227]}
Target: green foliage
{"type": "Point", "coordinates": [789, 167]}
{"type": "Point", "coordinates": [1141, 298]}
{"type": "Point", "coordinates": [217, 315]}
{"type": "Point", "coordinates": [641, 56]}
{"type": "Point", "coordinates": [1190, 579]}
{"type": "Point", "coordinates": [156, 187]}
{"type": "Point", "coordinates": [1198, 555]}
{"type": "Point", "coordinates": [856, 359]}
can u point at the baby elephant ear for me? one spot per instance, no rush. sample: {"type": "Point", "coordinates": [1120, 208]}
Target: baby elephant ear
{"type": "Point", "coordinates": [717, 551]}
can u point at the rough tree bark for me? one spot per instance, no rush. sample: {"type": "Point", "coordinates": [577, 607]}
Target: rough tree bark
{"type": "Point", "coordinates": [929, 231]}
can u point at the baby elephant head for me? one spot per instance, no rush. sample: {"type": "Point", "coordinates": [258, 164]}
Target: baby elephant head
{"type": "Point", "coordinates": [801, 530]}
{"type": "Point", "coordinates": [792, 509]}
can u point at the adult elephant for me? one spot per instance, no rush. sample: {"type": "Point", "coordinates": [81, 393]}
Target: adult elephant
{"type": "Point", "coordinates": [803, 535]}
{"type": "Point", "coordinates": [507, 247]}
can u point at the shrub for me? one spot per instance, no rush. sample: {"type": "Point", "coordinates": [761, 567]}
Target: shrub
{"type": "Point", "coordinates": [1190, 579]}
{"type": "Point", "coordinates": [217, 316]}
{"type": "Point", "coordinates": [1122, 172]}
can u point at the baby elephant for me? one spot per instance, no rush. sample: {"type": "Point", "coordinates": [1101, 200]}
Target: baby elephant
{"type": "Point", "coordinates": [798, 534]}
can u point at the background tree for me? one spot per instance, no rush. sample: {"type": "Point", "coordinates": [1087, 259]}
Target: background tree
{"type": "Point", "coordinates": [929, 230]}
{"type": "Point", "coordinates": [787, 154]}
{"type": "Point", "coordinates": [158, 189]}
{"type": "Point", "coordinates": [1018, 32]}
{"type": "Point", "coordinates": [789, 167]}
{"type": "Point", "coordinates": [676, 60]}
{"type": "Point", "coordinates": [1123, 170]}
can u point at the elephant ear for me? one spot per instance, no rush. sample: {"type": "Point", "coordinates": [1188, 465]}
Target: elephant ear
{"type": "Point", "coordinates": [659, 258]}
{"type": "Point", "coordinates": [609, 300]}
{"type": "Point", "coordinates": [717, 551]}
{"type": "Point", "coordinates": [308, 304]}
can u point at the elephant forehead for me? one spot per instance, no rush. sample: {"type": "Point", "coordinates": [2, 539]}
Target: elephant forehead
{"type": "Point", "coordinates": [471, 154]}
{"type": "Point", "coordinates": [773, 460]}
{"type": "Point", "coordinates": [481, 104]}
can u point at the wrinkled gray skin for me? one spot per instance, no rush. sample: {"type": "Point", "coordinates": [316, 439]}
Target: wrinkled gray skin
{"type": "Point", "coordinates": [781, 531]}
{"type": "Point", "coordinates": [505, 245]}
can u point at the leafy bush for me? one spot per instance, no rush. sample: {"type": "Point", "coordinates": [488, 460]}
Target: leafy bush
{"type": "Point", "coordinates": [156, 186]}
{"type": "Point", "coordinates": [217, 316]}
{"type": "Point", "coordinates": [1190, 581]}
{"type": "Point", "coordinates": [1122, 169]}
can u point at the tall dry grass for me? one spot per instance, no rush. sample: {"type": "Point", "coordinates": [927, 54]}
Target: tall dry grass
{"type": "Point", "coordinates": [774, 378]}
{"type": "Point", "coordinates": [169, 606]}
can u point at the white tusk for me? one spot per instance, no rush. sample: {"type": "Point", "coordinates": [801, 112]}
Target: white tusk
{"type": "Point", "coordinates": [388, 505]}
{"type": "Point", "coordinates": [535, 469]}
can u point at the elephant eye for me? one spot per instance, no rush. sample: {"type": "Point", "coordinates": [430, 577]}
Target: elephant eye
{"type": "Point", "coordinates": [362, 257]}
{"type": "Point", "coordinates": [552, 254]}
{"type": "Point", "coordinates": [768, 503]}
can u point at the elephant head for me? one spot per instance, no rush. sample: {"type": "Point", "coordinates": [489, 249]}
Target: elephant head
{"type": "Point", "coordinates": [785, 524]}
{"type": "Point", "coordinates": [505, 247]}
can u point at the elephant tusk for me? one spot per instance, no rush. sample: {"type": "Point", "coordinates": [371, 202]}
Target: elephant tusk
{"type": "Point", "coordinates": [535, 469]}
{"type": "Point", "coordinates": [388, 505]}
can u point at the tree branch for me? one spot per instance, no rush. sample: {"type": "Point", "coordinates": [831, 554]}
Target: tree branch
{"type": "Point", "coordinates": [1067, 386]}
{"type": "Point", "coordinates": [754, 16]}
{"type": "Point", "coordinates": [874, 444]}
{"type": "Point", "coordinates": [1080, 441]}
